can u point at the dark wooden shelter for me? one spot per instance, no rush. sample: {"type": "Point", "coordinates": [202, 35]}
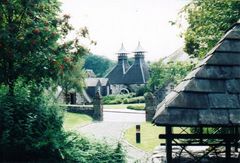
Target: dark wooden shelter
{"type": "Point", "coordinates": [208, 97]}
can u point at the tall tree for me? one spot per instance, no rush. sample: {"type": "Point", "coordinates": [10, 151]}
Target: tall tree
{"type": "Point", "coordinates": [73, 80]}
{"type": "Point", "coordinates": [33, 42]}
{"type": "Point", "coordinates": [208, 20]}
{"type": "Point", "coordinates": [34, 52]}
{"type": "Point", "coordinates": [99, 64]}
{"type": "Point", "coordinates": [162, 74]}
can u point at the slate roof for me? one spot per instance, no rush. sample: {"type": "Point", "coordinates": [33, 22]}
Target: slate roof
{"type": "Point", "coordinates": [115, 76]}
{"type": "Point", "coordinates": [210, 94]}
{"type": "Point", "coordinates": [90, 73]}
{"type": "Point", "coordinates": [92, 82]}
{"type": "Point", "coordinates": [104, 81]}
{"type": "Point", "coordinates": [138, 73]}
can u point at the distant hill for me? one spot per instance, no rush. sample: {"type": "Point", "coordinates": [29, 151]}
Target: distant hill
{"type": "Point", "coordinates": [99, 64]}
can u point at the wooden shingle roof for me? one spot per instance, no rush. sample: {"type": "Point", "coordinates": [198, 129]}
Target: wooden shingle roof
{"type": "Point", "coordinates": [210, 94]}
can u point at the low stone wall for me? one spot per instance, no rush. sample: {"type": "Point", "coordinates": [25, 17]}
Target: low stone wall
{"type": "Point", "coordinates": [82, 109]}
{"type": "Point", "coordinates": [95, 110]}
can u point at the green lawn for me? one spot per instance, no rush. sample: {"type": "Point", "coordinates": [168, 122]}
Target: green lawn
{"type": "Point", "coordinates": [73, 120]}
{"type": "Point", "coordinates": [149, 136]}
{"type": "Point", "coordinates": [120, 106]}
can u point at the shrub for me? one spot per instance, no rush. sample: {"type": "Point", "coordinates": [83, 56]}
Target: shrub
{"type": "Point", "coordinates": [117, 99]}
{"type": "Point", "coordinates": [140, 91]}
{"type": "Point", "coordinates": [135, 100]}
{"type": "Point", "coordinates": [79, 149]}
{"type": "Point", "coordinates": [136, 107]}
{"type": "Point", "coordinates": [31, 131]}
{"type": "Point", "coordinates": [30, 128]}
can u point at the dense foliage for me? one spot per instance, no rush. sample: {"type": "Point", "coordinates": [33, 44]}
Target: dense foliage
{"type": "Point", "coordinates": [80, 149]}
{"type": "Point", "coordinates": [33, 42]}
{"type": "Point", "coordinates": [208, 20]}
{"type": "Point", "coordinates": [162, 74]}
{"type": "Point", "coordinates": [123, 99]}
{"type": "Point", "coordinates": [31, 130]}
{"type": "Point", "coordinates": [30, 127]}
{"type": "Point", "coordinates": [35, 53]}
{"type": "Point", "coordinates": [72, 80]}
{"type": "Point", "coordinates": [99, 64]}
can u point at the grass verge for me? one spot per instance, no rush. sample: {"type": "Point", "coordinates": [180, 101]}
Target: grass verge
{"type": "Point", "coordinates": [149, 136]}
{"type": "Point", "coordinates": [136, 107]}
{"type": "Point", "coordinates": [73, 120]}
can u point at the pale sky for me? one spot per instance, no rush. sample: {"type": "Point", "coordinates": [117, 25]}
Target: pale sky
{"type": "Point", "coordinates": [111, 22]}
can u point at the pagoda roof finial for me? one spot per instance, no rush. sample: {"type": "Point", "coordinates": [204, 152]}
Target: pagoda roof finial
{"type": "Point", "coordinates": [122, 50]}
{"type": "Point", "coordinates": [139, 48]}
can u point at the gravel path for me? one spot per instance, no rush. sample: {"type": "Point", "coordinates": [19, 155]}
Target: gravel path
{"type": "Point", "coordinates": [111, 130]}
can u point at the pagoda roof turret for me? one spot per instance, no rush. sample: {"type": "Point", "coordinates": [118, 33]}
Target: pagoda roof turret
{"type": "Point", "coordinates": [139, 48]}
{"type": "Point", "coordinates": [122, 50]}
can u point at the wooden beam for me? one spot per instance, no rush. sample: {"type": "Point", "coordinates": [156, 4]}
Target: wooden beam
{"type": "Point", "coordinates": [169, 143]}
{"type": "Point", "coordinates": [199, 144]}
{"type": "Point", "coordinates": [228, 150]}
{"type": "Point", "coordinates": [202, 136]}
{"type": "Point", "coordinates": [236, 140]}
{"type": "Point", "coordinates": [201, 132]}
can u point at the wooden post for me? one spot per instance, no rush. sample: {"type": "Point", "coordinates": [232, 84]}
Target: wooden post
{"type": "Point", "coordinates": [236, 140]}
{"type": "Point", "coordinates": [201, 132]}
{"type": "Point", "coordinates": [169, 144]}
{"type": "Point", "coordinates": [138, 134]}
{"type": "Point", "coordinates": [228, 150]}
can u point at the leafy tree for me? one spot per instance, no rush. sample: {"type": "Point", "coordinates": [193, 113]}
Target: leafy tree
{"type": "Point", "coordinates": [208, 20]}
{"type": "Point", "coordinates": [99, 64]}
{"type": "Point", "coordinates": [34, 52]}
{"type": "Point", "coordinates": [131, 60]}
{"type": "Point", "coordinates": [73, 79]}
{"type": "Point", "coordinates": [33, 42]}
{"type": "Point", "coordinates": [162, 74]}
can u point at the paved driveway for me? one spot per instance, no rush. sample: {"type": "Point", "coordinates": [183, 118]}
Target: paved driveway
{"type": "Point", "coordinates": [116, 121]}
{"type": "Point", "coordinates": [123, 115]}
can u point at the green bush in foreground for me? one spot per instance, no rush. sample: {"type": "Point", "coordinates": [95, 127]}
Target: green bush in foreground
{"type": "Point", "coordinates": [30, 128]}
{"type": "Point", "coordinates": [136, 107]}
{"type": "Point", "coordinates": [80, 149]}
{"type": "Point", "coordinates": [31, 131]}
